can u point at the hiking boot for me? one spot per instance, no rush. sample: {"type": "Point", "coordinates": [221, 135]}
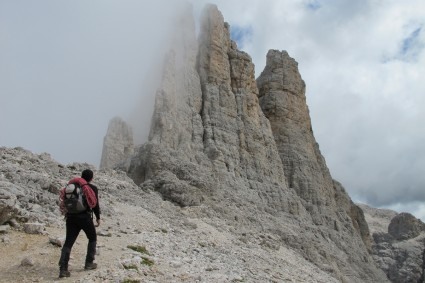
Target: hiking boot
{"type": "Point", "coordinates": [90, 266]}
{"type": "Point", "coordinates": [64, 273]}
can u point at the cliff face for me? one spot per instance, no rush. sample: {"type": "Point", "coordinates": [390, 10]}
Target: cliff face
{"type": "Point", "coordinates": [207, 123]}
{"type": "Point", "coordinates": [283, 101]}
{"type": "Point", "coordinates": [247, 154]}
{"type": "Point", "coordinates": [398, 244]}
{"type": "Point", "coordinates": [237, 135]}
{"type": "Point", "coordinates": [282, 98]}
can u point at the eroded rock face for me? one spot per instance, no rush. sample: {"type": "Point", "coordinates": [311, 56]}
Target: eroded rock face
{"type": "Point", "coordinates": [207, 121]}
{"type": "Point", "coordinates": [237, 135]}
{"type": "Point", "coordinates": [282, 98]}
{"type": "Point", "coordinates": [117, 143]}
{"type": "Point", "coordinates": [29, 186]}
{"type": "Point", "coordinates": [211, 145]}
{"type": "Point", "coordinates": [398, 249]}
{"type": "Point", "coordinates": [405, 226]}
{"type": "Point", "coordinates": [173, 159]}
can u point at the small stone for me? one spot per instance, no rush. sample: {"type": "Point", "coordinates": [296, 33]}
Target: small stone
{"type": "Point", "coordinates": [104, 233]}
{"type": "Point", "coordinates": [14, 223]}
{"type": "Point", "coordinates": [27, 262]}
{"type": "Point", "coordinates": [176, 264]}
{"type": "Point", "coordinates": [34, 228]}
{"type": "Point", "coordinates": [57, 241]}
{"type": "Point", "coordinates": [120, 265]}
{"type": "Point", "coordinates": [4, 229]}
{"type": "Point", "coordinates": [190, 225]}
{"type": "Point", "coordinates": [5, 240]}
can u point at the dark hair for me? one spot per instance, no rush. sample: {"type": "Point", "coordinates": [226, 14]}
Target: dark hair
{"type": "Point", "coordinates": [87, 175]}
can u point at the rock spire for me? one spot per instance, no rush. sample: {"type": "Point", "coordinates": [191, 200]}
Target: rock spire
{"type": "Point", "coordinates": [117, 143]}
{"type": "Point", "coordinates": [243, 150]}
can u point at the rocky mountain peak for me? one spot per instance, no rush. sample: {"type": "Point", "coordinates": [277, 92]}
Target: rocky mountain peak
{"type": "Point", "coordinates": [283, 101]}
{"type": "Point", "coordinates": [236, 135]}
{"type": "Point", "coordinates": [117, 143]}
{"type": "Point", "coordinates": [244, 150]}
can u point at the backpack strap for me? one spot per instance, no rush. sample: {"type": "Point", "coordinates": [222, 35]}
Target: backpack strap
{"type": "Point", "coordinates": [90, 196]}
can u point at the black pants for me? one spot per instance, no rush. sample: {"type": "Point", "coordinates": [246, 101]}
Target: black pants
{"type": "Point", "coordinates": [74, 224]}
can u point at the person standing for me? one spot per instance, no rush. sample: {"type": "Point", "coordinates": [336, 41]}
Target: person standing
{"type": "Point", "coordinates": [81, 220]}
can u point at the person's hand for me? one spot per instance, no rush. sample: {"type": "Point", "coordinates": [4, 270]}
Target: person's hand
{"type": "Point", "coordinates": [97, 223]}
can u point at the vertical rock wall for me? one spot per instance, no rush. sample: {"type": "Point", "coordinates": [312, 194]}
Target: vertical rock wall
{"type": "Point", "coordinates": [207, 123]}
{"type": "Point", "coordinates": [237, 135]}
{"type": "Point", "coordinates": [282, 98]}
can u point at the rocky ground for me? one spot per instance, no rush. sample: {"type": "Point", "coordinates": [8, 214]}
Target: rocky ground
{"type": "Point", "coordinates": [181, 244]}
{"type": "Point", "coordinates": [144, 238]}
{"type": "Point", "coordinates": [184, 249]}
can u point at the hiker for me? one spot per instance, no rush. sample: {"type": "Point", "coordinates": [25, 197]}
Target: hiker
{"type": "Point", "coordinates": [79, 216]}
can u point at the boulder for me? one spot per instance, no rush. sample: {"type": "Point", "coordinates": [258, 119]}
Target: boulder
{"type": "Point", "coordinates": [34, 228]}
{"type": "Point", "coordinates": [405, 226]}
{"type": "Point", "coordinates": [8, 203]}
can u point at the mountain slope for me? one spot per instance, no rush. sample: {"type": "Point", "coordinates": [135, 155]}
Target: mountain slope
{"type": "Point", "coordinates": [183, 244]}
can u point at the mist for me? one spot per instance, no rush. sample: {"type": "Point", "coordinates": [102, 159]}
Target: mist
{"type": "Point", "coordinates": [69, 67]}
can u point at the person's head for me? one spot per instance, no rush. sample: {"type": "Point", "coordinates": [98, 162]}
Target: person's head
{"type": "Point", "coordinates": [87, 175]}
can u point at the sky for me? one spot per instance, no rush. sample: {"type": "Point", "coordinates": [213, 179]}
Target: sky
{"type": "Point", "coordinates": [68, 67]}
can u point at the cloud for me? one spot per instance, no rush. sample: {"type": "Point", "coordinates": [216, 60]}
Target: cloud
{"type": "Point", "coordinates": [241, 34]}
{"type": "Point", "coordinates": [313, 5]}
{"type": "Point", "coordinates": [69, 67]}
{"type": "Point", "coordinates": [410, 42]}
{"type": "Point", "coordinates": [412, 45]}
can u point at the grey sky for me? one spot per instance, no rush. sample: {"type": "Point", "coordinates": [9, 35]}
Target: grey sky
{"type": "Point", "coordinates": [67, 67]}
